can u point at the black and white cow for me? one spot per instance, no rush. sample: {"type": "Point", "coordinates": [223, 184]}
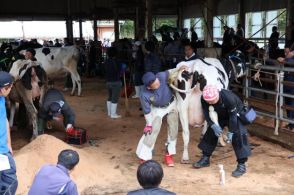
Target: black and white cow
{"type": "Point", "coordinates": [30, 84]}
{"type": "Point", "coordinates": [55, 60]}
{"type": "Point", "coordinates": [207, 71]}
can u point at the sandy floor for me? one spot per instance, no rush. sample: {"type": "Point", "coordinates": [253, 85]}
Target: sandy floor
{"type": "Point", "coordinates": [109, 166]}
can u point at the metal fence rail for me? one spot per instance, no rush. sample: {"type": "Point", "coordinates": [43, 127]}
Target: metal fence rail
{"type": "Point", "coordinates": [273, 87]}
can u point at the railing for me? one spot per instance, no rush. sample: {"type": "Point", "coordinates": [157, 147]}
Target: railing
{"type": "Point", "coordinates": [270, 84]}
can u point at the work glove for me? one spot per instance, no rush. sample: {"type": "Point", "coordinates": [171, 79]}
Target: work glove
{"type": "Point", "coordinates": [217, 130]}
{"type": "Point", "coordinates": [147, 129]}
{"type": "Point", "coordinates": [69, 128]}
{"type": "Point", "coordinates": [229, 137]}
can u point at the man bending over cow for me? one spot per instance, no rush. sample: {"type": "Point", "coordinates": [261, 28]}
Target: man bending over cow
{"type": "Point", "coordinates": [157, 101]}
{"type": "Point", "coordinates": [226, 104]}
{"type": "Point", "coordinates": [55, 107]}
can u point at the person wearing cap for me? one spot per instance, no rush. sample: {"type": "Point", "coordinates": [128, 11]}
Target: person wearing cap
{"type": "Point", "coordinates": [157, 101]}
{"type": "Point", "coordinates": [30, 54]}
{"type": "Point", "coordinates": [8, 179]}
{"type": "Point", "coordinates": [227, 105]}
{"type": "Point", "coordinates": [55, 107]}
{"type": "Point", "coordinates": [55, 179]}
{"type": "Point", "coordinates": [138, 68]}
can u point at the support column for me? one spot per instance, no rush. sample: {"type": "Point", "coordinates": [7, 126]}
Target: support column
{"type": "Point", "coordinates": [81, 28]}
{"type": "Point", "coordinates": [242, 15]}
{"type": "Point", "coordinates": [95, 29]}
{"type": "Point", "coordinates": [180, 18]}
{"type": "Point", "coordinates": [116, 25]}
{"type": "Point", "coordinates": [209, 12]}
{"type": "Point", "coordinates": [69, 30]}
{"type": "Point", "coordinates": [290, 21]}
{"type": "Point", "coordinates": [140, 21]}
{"type": "Point", "coordinates": [149, 16]}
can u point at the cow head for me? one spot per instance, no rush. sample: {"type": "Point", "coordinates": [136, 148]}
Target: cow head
{"type": "Point", "coordinates": [237, 61]}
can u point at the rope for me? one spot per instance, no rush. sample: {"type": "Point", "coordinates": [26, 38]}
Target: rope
{"type": "Point", "coordinates": [256, 77]}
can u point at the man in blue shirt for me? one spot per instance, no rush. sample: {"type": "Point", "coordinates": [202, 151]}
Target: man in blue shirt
{"type": "Point", "coordinates": [157, 101]}
{"type": "Point", "coordinates": [8, 180]}
{"type": "Point", "coordinates": [55, 179]}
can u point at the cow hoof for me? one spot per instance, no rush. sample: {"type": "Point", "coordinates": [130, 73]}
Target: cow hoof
{"type": "Point", "coordinates": [65, 89]}
{"type": "Point", "coordinates": [185, 161]}
{"type": "Point", "coordinates": [72, 94]}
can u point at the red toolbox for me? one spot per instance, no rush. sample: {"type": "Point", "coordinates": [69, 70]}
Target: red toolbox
{"type": "Point", "coordinates": [77, 136]}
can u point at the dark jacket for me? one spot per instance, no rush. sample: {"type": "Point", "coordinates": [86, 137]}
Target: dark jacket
{"type": "Point", "coordinates": [151, 191]}
{"type": "Point", "coordinates": [112, 68]}
{"type": "Point", "coordinates": [226, 108]}
{"type": "Point", "coordinates": [152, 63]}
{"type": "Point", "coordinates": [53, 95]}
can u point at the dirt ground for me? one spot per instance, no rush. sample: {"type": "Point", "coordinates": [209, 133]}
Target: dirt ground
{"type": "Point", "coordinates": [108, 165]}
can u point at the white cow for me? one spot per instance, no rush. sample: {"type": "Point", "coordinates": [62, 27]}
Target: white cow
{"type": "Point", "coordinates": [55, 60]}
{"type": "Point", "coordinates": [207, 71]}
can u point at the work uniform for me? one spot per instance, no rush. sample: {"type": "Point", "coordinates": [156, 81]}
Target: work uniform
{"type": "Point", "coordinates": [53, 179]}
{"type": "Point", "coordinates": [226, 108]}
{"type": "Point", "coordinates": [156, 104]}
{"type": "Point", "coordinates": [54, 96]}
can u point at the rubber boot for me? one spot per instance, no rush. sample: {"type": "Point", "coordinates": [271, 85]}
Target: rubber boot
{"type": "Point", "coordinates": [108, 108]}
{"type": "Point", "coordinates": [203, 162]}
{"type": "Point", "coordinates": [113, 113]}
{"type": "Point", "coordinates": [137, 90]}
{"type": "Point", "coordinates": [240, 170]}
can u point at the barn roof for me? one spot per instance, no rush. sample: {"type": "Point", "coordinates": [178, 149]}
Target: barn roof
{"type": "Point", "coordinates": [104, 9]}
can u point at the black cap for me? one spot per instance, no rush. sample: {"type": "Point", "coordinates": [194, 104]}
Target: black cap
{"type": "Point", "coordinates": [55, 108]}
{"type": "Point", "coordinates": [33, 52]}
{"type": "Point", "coordinates": [6, 79]}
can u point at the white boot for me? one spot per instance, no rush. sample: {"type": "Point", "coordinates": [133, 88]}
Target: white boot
{"type": "Point", "coordinates": [108, 108]}
{"type": "Point", "coordinates": [113, 113]}
{"type": "Point", "coordinates": [137, 90]}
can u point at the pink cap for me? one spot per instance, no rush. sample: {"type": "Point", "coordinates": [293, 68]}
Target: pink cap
{"type": "Point", "coordinates": [210, 93]}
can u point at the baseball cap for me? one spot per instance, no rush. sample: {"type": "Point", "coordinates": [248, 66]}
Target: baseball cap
{"type": "Point", "coordinates": [6, 79]}
{"type": "Point", "coordinates": [55, 109]}
{"type": "Point", "coordinates": [148, 78]}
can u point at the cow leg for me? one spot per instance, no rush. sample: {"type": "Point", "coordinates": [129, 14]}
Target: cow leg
{"type": "Point", "coordinates": [76, 79]}
{"type": "Point", "coordinates": [12, 113]}
{"type": "Point", "coordinates": [73, 84]}
{"type": "Point", "coordinates": [183, 113]}
{"type": "Point", "coordinates": [32, 112]}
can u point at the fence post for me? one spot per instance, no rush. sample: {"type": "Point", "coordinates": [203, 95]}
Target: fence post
{"type": "Point", "coordinates": [281, 95]}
